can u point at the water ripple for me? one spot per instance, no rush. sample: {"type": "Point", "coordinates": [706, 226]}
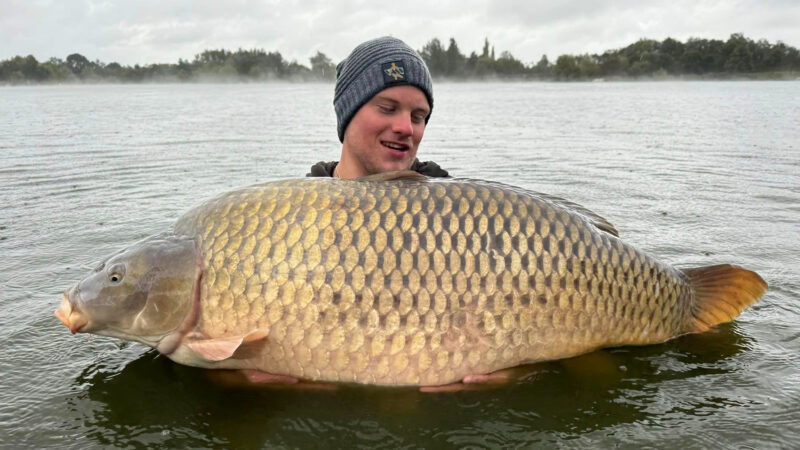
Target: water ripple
{"type": "Point", "coordinates": [699, 173]}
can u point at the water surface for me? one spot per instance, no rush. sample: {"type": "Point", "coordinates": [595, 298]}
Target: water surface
{"type": "Point", "coordinates": [696, 173]}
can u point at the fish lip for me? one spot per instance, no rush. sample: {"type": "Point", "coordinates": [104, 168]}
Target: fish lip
{"type": "Point", "coordinates": [69, 316]}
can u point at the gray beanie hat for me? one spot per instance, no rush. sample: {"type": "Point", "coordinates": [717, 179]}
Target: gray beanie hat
{"type": "Point", "coordinates": [372, 67]}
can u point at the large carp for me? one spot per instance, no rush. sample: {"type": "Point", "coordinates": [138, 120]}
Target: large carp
{"type": "Point", "coordinates": [394, 279]}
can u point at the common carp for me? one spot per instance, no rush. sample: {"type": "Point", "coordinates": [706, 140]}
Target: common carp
{"type": "Point", "coordinates": [394, 279]}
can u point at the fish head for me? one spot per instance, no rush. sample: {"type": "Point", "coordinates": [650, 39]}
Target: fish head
{"type": "Point", "coordinates": [142, 293]}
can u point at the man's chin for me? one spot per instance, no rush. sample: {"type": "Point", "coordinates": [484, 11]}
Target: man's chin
{"type": "Point", "coordinates": [397, 161]}
{"type": "Point", "coordinates": [394, 168]}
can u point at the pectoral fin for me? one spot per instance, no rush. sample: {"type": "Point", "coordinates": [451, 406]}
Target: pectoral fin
{"type": "Point", "coordinates": [218, 349]}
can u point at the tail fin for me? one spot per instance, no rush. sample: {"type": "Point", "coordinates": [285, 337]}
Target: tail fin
{"type": "Point", "coordinates": [721, 293]}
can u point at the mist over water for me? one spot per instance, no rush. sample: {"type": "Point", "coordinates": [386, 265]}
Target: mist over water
{"type": "Point", "coordinates": [695, 173]}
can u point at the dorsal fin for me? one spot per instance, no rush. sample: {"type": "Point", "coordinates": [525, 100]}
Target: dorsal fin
{"type": "Point", "coordinates": [396, 175]}
{"type": "Point", "coordinates": [721, 293]}
{"type": "Point", "coordinates": [596, 219]}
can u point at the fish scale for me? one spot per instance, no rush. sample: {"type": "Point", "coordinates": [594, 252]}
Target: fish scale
{"type": "Point", "coordinates": [394, 279]}
{"type": "Point", "coordinates": [419, 282]}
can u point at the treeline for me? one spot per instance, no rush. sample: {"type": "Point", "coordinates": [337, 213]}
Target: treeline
{"type": "Point", "coordinates": [647, 58]}
{"type": "Point", "coordinates": [696, 58]}
{"type": "Point", "coordinates": [208, 65]}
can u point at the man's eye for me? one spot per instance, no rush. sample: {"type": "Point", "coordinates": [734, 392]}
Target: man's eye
{"type": "Point", "coordinates": [385, 109]}
{"type": "Point", "coordinates": [418, 118]}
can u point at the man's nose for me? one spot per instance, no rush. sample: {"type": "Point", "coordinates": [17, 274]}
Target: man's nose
{"type": "Point", "coordinates": [402, 124]}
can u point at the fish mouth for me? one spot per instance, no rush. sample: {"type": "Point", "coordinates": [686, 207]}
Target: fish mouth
{"type": "Point", "coordinates": [70, 317]}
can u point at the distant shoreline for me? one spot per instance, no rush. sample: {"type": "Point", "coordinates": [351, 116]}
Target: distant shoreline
{"type": "Point", "coordinates": [738, 58]}
{"type": "Point", "coordinates": [761, 76]}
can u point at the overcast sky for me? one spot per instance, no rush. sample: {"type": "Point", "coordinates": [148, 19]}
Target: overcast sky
{"type": "Point", "coordinates": [150, 31]}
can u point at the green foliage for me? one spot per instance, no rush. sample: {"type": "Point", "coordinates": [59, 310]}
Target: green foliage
{"type": "Point", "coordinates": [509, 67]}
{"type": "Point", "coordinates": [647, 58]}
{"type": "Point", "coordinates": [435, 57]}
{"type": "Point", "coordinates": [322, 67]}
{"type": "Point", "coordinates": [566, 67]}
{"type": "Point", "coordinates": [22, 69]}
{"type": "Point", "coordinates": [450, 63]}
{"type": "Point", "coordinates": [255, 64]}
{"type": "Point", "coordinates": [543, 68]}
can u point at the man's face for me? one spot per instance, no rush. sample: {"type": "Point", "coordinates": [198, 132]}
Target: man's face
{"type": "Point", "coordinates": [384, 134]}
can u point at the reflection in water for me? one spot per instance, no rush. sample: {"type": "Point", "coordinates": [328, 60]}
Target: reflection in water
{"type": "Point", "coordinates": [155, 401]}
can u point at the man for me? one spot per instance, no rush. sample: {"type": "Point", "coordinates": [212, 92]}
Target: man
{"type": "Point", "coordinates": [383, 100]}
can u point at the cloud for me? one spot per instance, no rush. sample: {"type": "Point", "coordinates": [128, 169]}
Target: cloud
{"type": "Point", "coordinates": [149, 31]}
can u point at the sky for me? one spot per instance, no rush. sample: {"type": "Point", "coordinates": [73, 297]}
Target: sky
{"type": "Point", "coordinates": [162, 31]}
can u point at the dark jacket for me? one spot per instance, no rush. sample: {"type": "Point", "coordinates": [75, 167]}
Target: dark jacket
{"type": "Point", "coordinates": [427, 168]}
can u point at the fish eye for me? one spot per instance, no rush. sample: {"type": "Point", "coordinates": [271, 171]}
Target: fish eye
{"type": "Point", "coordinates": [116, 273]}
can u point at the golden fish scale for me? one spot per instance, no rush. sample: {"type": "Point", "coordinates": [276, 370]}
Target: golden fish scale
{"type": "Point", "coordinates": [420, 282]}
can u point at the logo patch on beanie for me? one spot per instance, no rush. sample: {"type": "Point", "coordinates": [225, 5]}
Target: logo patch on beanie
{"type": "Point", "coordinates": [393, 72]}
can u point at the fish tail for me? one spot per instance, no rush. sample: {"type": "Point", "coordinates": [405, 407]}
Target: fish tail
{"type": "Point", "coordinates": [721, 293]}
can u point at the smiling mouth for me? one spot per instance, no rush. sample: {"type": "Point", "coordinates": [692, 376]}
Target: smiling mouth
{"type": "Point", "coordinates": [395, 146]}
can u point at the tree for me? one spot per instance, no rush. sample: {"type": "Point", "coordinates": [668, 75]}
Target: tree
{"type": "Point", "coordinates": [273, 65]}
{"type": "Point", "coordinates": [588, 66]}
{"type": "Point", "coordinates": [644, 57]}
{"type": "Point", "coordinates": [566, 67]}
{"type": "Point", "coordinates": [19, 69]}
{"type": "Point", "coordinates": [738, 53]}
{"type": "Point", "coordinates": [434, 55]}
{"type": "Point", "coordinates": [695, 57]}
{"type": "Point", "coordinates": [507, 66]}
{"type": "Point", "coordinates": [77, 63]}
{"type": "Point", "coordinates": [613, 64]}
{"type": "Point", "coordinates": [297, 71]}
{"type": "Point", "coordinates": [57, 70]}
{"type": "Point", "coordinates": [784, 57]}
{"type": "Point", "coordinates": [215, 57]}
{"type": "Point", "coordinates": [111, 70]}
{"type": "Point", "coordinates": [454, 60]}
{"type": "Point", "coordinates": [485, 53]}
{"type": "Point", "coordinates": [542, 68]}
{"type": "Point", "coordinates": [671, 55]}
{"type": "Point", "coordinates": [471, 64]}
{"type": "Point", "coordinates": [184, 69]}
{"type": "Point", "coordinates": [244, 61]}
{"type": "Point", "coordinates": [322, 67]}
{"type": "Point", "coordinates": [484, 64]}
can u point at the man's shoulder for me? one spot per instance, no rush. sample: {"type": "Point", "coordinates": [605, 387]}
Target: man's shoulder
{"type": "Point", "coordinates": [323, 169]}
{"type": "Point", "coordinates": [427, 168]}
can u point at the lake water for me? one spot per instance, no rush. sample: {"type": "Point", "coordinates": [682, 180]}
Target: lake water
{"type": "Point", "coordinates": [697, 173]}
